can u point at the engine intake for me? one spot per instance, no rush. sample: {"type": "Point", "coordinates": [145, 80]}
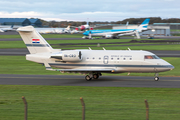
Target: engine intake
{"type": "Point", "coordinates": [68, 56]}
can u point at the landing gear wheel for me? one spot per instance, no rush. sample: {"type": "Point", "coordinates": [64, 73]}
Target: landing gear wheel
{"type": "Point", "coordinates": [95, 76]}
{"type": "Point", "coordinates": [156, 78]}
{"type": "Point", "coordinates": [88, 78]}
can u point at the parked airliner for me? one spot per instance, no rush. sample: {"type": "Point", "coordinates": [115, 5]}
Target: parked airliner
{"type": "Point", "coordinates": [91, 63]}
{"type": "Point", "coordinates": [116, 32]}
{"type": "Point", "coordinates": [5, 29]}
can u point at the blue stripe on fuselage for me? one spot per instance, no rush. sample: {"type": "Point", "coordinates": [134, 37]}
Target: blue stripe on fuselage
{"type": "Point", "coordinates": [106, 31]}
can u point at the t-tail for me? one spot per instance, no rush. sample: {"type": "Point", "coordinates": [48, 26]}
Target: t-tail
{"type": "Point", "coordinates": [144, 25]}
{"type": "Point", "coordinates": [33, 40]}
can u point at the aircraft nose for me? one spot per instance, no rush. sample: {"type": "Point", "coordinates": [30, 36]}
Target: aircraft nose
{"type": "Point", "coordinates": [171, 67]}
{"type": "Point", "coordinates": [165, 66]}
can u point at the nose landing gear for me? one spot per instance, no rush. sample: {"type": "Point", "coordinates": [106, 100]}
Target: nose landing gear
{"type": "Point", "coordinates": [156, 77]}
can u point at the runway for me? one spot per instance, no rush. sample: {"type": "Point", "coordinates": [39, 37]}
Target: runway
{"type": "Point", "coordinates": [103, 81]}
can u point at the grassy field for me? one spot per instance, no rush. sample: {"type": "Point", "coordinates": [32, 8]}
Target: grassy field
{"type": "Point", "coordinates": [54, 43]}
{"type": "Point", "coordinates": [102, 103]}
{"type": "Point", "coordinates": [19, 65]}
{"type": "Point", "coordinates": [47, 36]}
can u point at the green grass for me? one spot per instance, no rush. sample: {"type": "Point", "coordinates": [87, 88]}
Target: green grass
{"type": "Point", "coordinates": [62, 35]}
{"type": "Point", "coordinates": [20, 44]}
{"type": "Point", "coordinates": [102, 103]}
{"type": "Point", "coordinates": [145, 47]}
{"type": "Point", "coordinates": [12, 44]}
{"type": "Point", "coordinates": [10, 36]}
{"type": "Point", "coordinates": [19, 65]}
{"type": "Point", "coordinates": [47, 36]}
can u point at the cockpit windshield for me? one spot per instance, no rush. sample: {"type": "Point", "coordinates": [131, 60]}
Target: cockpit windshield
{"type": "Point", "coordinates": [151, 57]}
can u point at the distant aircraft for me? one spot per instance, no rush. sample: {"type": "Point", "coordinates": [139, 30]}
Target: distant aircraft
{"type": "Point", "coordinates": [53, 30]}
{"type": "Point", "coordinates": [116, 32]}
{"type": "Point", "coordinates": [84, 27]}
{"type": "Point", "coordinates": [91, 63]}
{"type": "Point", "coordinates": [5, 29]}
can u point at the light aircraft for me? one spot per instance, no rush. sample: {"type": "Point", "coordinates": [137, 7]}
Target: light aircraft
{"type": "Point", "coordinates": [91, 63]}
{"type": "Point", "coordinates": [116, 32]}
{"type": "Point", "coordinates": [4, 29]}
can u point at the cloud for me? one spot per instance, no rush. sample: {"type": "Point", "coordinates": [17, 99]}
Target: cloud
{"type": "Point", "coordinates": [20, 14]}
{"type": "Point", "coordinates": [94, 10]}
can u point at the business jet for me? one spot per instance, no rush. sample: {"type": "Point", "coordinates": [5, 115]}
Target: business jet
{"type": "Point", "coordinates": [5, 29]}
{"type": "Point", "coordinates": [116, 32]}
{"type": "Point", "coordinates": [91, 63]}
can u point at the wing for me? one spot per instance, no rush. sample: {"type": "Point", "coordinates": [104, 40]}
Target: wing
{"type": "Point", "coordinates": [85, 70]}
{"type": "Point", "coordinates": [123, 32]}
{"type": "Point", "coordinates": [81, 70]}
{"type": "Point", "coordinates": [48, 67]}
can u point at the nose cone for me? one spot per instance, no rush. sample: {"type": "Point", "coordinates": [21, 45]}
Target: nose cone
{"type": "Point", "coordinates": [86, 33]}
{"type": "Point", "coordinates": [164, 66]}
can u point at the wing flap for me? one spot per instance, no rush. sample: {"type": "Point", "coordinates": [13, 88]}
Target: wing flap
{"type": "Point", "coordinates": [83, 70]}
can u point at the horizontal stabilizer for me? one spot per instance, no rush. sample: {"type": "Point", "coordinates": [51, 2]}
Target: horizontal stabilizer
{"type": "Point", "coordinates": [25, 29]}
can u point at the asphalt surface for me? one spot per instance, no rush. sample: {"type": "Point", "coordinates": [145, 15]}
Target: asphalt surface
{"type": "Point", "coordinates": [24, 51]}
{"type": "Point", "coordinates": [103, 81]}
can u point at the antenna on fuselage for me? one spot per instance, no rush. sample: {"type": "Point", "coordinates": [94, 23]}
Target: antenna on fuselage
{"type": "Point", "coordinates": [90, 48]}
{"type": "Point", "coordinates": [104, 48]}
{"type": "Point", "coordinates": [129, 49]}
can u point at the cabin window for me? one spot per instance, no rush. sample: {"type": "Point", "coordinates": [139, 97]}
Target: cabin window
{"type": "Point", "coordinates": [130, 58]}
{"type": "Point", "coordinates": [111, 58]}
{"type": "Point", "coordinates": [117, 58]}
{"type": "Point", "coordinates": [93, 58]}
{"type": "Point", "coordinates": [99, 58]}
{"type": "Point", "coordinates": [87, 57]}
{"type": "Point", "coordinates": [124, 58]}
{"type": "Point", "coordinates": [151, 57]}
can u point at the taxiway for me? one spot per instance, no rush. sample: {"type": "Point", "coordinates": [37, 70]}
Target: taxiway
{"type": "Point", "coordinates": [103, 81]}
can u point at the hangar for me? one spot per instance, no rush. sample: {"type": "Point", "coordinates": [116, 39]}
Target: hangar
{"type": "Point", "coordinates": [20, 22]}
{"type": "Point", "coordinates": [35, 22]}
{"type": "Point", "coordinates": [15, 21]}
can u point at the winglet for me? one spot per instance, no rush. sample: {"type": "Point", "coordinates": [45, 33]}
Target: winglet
{"type": "Point", "coordinates": [144, 25]}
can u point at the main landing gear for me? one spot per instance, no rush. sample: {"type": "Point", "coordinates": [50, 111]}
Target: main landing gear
{"type": "Point", "coordinates": [156, 77]}
{"type": "Point", "coordinates": [92, 76]}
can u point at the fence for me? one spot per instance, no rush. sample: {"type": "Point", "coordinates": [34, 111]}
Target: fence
{"type": "Point", "coordinates": [83, 108]}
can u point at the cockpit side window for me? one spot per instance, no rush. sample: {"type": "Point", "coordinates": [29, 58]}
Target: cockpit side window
{"type": "Point", "coordinates": [151, 57]}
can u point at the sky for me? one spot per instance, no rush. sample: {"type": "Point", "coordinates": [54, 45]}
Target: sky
{"type": "Point", "coordinates": [89, 10]}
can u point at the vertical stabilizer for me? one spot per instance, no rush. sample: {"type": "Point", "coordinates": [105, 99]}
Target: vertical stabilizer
{"type": "Point", "coordinates": [144, 25]}
{"type": "Point", "coordinates": [33, 40]}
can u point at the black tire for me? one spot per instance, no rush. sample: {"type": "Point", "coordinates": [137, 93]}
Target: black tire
{"type": "Point", "coordinates": [88, 78]}
{"type": "Point", "coordinates": [95, 76]}
{"type": "Point", "coordinates": [156, 78]}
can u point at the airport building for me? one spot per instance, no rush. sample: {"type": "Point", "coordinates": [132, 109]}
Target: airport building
{"type": "Point", "coordinates": [36, 22]}
{"type": "Point", "coordinates": [20, 22]}
{"type": "Point", "coordinates": [175, 26]}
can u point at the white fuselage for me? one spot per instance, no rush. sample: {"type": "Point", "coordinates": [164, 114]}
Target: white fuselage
{"type": "Point", "coordinates": [118, 60]}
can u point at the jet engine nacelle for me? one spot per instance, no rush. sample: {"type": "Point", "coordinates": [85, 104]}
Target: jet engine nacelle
{"type": "Point", "coordinates": [108, 36]}
{"type": "Point", "coordinates": [68, 56]}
